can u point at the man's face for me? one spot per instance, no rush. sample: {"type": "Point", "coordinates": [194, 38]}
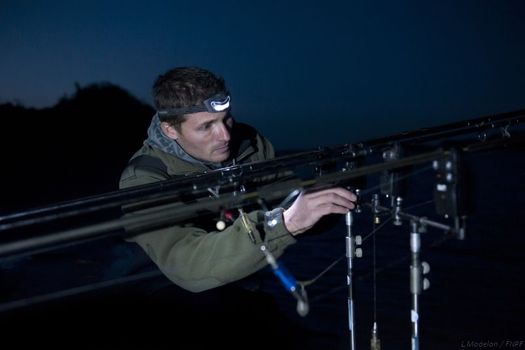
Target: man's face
{"type": "Point", "coordinates": [204, 135]}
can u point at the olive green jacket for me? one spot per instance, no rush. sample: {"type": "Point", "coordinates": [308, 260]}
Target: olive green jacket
{"type": "Point", "coordinates": [191, 256]}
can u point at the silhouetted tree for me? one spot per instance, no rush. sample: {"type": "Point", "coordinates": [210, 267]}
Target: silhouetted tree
{"type": "Point", "coordinates": [73, 149]}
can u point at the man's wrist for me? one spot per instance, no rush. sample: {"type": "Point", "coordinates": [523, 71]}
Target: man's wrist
{"type": "Point", "coordinates": [288, 224]}
{"type": "Point", "coordinates": [277, 217]}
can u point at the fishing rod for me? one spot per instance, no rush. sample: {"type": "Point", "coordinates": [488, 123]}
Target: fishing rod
{"type": "Point", "coordinates": [187, 196]}
{"type": "Point", "coordinates": [483, 129]}
{"type": "Point", "coordinates": [180, 210]}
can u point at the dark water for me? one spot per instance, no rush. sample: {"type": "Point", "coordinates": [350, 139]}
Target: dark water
{"type": "Point", "coordinates": [474, 301]}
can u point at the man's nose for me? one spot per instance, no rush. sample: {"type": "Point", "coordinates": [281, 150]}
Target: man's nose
{"type": "Point", "coordinates": [223, 132]}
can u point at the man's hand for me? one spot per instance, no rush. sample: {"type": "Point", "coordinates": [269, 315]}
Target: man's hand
{"type": "Point", "coordinates": [309, 207]}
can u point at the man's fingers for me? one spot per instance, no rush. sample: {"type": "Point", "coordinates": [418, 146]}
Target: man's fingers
{"type": "Point", "coordinates": [339, 191]}
{"type": "Point", "coordinates": [331, 208]}
{"type": "Point", "coordinates": [343, 199]}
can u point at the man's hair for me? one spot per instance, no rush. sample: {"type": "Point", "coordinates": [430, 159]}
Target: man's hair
{"type": "Point", "coordinates": [185, 87]}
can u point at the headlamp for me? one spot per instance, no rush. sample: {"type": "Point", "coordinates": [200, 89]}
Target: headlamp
{"type": "Point", "coordinates": [215, 104]}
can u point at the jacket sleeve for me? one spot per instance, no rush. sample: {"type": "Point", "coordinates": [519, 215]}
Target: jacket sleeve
{"type": "Point", "coordinates": [198, 260]}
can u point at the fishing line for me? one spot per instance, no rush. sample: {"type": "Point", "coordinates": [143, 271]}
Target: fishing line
{"type": "Point", "coordinates": [375, 230]}
{"type": "Point", "coordinates": [303, 284]}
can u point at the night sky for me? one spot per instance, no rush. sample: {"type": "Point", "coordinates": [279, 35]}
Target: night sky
{"type": "Point", "coordinates": [306, 73]}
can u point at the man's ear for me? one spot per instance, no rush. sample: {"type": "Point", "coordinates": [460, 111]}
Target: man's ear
{"type": "Point", "coordinates": [169, 130]}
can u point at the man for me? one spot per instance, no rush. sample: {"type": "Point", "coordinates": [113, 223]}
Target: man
{"type": "Point", "coordinates": [193, 131]}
